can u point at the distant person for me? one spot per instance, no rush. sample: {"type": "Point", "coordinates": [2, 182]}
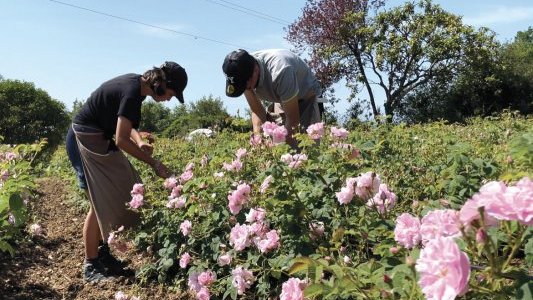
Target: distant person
{"type": "Point", "coordinates": [277, 76]}
{"type": "Point", "coordinates": [106, 124]}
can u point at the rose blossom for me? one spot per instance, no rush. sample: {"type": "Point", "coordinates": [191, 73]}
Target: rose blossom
{"type": "Point", "coordinates": [292, 289]}
{"type": "Point", "coordinates": [440, 222]}
{"type": "Point", "coordinates": [384, 200]}
{"type": "Point", "coordinates": [138, 188]}
{"type": "Point", "coordinates": [224, 260]}
{"type": "Point", "coordinates": [36, 229]}
{"type": "Point", "coordinates": [367, 185]}
{"type": "Point", "coordinates": [265, 184]}
{"type": "Point", "coordinates": [269, 243]}
{"type": "Point", "coordinates": [242, 279]}
{"type": "Point", "coordinates": [170, 182]}
{"type": "Point", "coordinates": [239, 237]}
{"type": "Point", "coordinates": [444, 269]}
{"type": "Point", "coordinates": [203, 294]}
{"type": "Point", "coordinates": [339, 133]}
{"type": "Point", "coordinates": [407, 231]}
{"type": "Point", "coordinates": [184, 260]}
{"type": "Point", "coordinates": [253, 215]}
{"type": "Point", "coordinates": [241, 152]}
{"type": "Point", "coordinates": [136, 201]}
{"type": "Point", "coordinates": [185, 227]}
{"type": "Point", "coordinates": [176, 203]}
{"type": "Point", "coordinates": [206, 278]}
{"type": "Point", "coordinates": [186, 176]}
{"type": "Point", "coordinates": [316, 131]}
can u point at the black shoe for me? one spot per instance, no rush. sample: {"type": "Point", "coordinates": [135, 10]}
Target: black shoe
{"type": "Point", "coordinates": [112, 265]}
{"type": "Point", "coordinates": [93, 271]}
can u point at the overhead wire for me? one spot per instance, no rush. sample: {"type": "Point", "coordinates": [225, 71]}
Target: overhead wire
{"type": "Point", "coordinates": [252, 12]}
{"type": "Point", "coordinates": [147, 24]}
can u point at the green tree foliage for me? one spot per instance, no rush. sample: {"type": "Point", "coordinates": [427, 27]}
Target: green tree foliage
{"type": "Point", "coordinates": [76, 107]}
{"type": "Point", "coordinates": [518, 64]}
{"type": "Point", "coordinates": [484, 87]}
{"type": "Point", "coordinates": [397, 50]}
{"type": "Point", "coordinates": [29, 114]}
{"type": "Point", "coordinates": [208, 112]}
{"type": "Point", "coordinates": [155, 117]}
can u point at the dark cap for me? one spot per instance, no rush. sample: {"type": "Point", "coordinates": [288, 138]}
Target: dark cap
{"type": "Point", "coordinates": [238, 67]}
{"type": "Point", "coordinates": [176, 78]}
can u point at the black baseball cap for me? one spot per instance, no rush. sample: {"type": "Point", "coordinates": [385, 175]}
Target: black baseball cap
{"type": "Point", "coordinates": [238, 67]}
{"type": "Point", "coordinates": [176, 78]}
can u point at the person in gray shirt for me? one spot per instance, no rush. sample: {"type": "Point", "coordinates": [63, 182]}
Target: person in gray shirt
{"type": "Point", "coordinates": [277, 76]}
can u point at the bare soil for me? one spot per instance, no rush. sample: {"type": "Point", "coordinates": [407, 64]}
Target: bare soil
{"type": "Point", "coordinates": [49, 266]}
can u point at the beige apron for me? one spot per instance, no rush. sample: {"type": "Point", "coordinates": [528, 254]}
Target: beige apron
{"type": "Point", "coordinates": [110, 178]}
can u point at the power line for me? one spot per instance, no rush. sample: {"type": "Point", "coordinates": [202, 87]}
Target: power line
{"type": "Point", "coordinates": [249, 11]}
{"type": "Point", "coordinates": [148, 25]}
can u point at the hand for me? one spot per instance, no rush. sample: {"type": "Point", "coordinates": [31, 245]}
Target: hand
{"type": "Point", "coordinates": [147, 148]}
{"type": "Point", "coordinates": [161, 170]}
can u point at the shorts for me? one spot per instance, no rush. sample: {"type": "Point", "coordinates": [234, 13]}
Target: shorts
{"type": "Point", "coordinates": [73, 152]}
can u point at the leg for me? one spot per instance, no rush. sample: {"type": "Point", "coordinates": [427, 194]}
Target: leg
{"type": "Point", "coordinates": [100, 237]}
{"type": "Point", "coordinates": [91, 235]}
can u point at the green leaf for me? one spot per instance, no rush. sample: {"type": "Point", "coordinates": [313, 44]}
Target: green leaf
{"type": "Point", "coordinates": [300, 264]}
{"type": "Point", "coordinates": [4, 246]}
{"type": "Point", "coordinates": [528, 249]}
{"type": "Point", "coordinates": [4, 203]}
{"type": "Point", "coordinates": [167, 263]}
{"type": "Point", "coordinates": [314, 290]}
{"type": "Point", "coordinates": [15, 202]}
{"type": "Point", "coordinates": [525, 291]}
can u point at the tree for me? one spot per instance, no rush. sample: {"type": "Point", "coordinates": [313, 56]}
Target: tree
{"type": "Point", "coordinates": [396, 50]}
{"type": "Point", "coordinates": [155, 117]}
{"type": "Point", "coordinates": [210, 112]}
{"type": "Point", "coordinates": [29, 114]}
{"type": "Point", "coordinates": [485, 87]}
{"type": "Point", "coordinates": [76, 107]}
{"type": "Point", "coordinates": [204, 113]}
{"type": "Point", "coordinates": [518, 70]}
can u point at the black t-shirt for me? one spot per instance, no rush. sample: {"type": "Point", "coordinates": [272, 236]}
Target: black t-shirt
{"type": "Point", "coordinates": [120, 96]}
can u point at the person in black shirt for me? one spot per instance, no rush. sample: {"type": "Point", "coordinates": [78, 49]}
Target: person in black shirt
{"type": "Point", "coordinates": [106, 124]}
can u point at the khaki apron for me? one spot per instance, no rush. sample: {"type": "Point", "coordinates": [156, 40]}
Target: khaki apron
{"type": "Point", "coordinates": [110, 178]}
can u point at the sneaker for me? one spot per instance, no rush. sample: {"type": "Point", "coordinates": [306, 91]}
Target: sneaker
{"type": "Point", "coordinates": [93, 271]}
{"type": "Point", "coordinates": [112, 265]}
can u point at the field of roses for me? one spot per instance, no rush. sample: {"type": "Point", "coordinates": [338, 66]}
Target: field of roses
{"type": "Point", "coordinates": [17, 184]}
{"type": "Point", "coordinates": [434, 211]}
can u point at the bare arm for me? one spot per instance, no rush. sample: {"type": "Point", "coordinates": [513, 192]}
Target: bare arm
{"type": "Point", "coordinates": [292, 119]}
{"type": "Point", "coordinates": [257, 108]}
{"type": "Point", "coordinates": [124, 141]}
{"type": "Point", "coordinates": [136, 137]}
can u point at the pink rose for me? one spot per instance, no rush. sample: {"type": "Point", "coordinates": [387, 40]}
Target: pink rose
{"type": "Point", "coordinates": [440, 222]}
{"type": "Point", "coordinates": [407, 230]}
{"type": "Point", "coordinates": [316, 131]}
{"type": "Point", "coordinates": [292, 289]}
{"type": "Point", "coordinates": [444, 269]}
{"type": "Point", "coordinates": [206, 278]}
{"type": "Point", "coordinates": [339, 133]}
{"type": "Point", "coordinates": [184, 260]}
{"type": "Point", "coordinates": [137, 189]}
{"type": "Point", "coordinates": [185, 227]}
{"type": "Point", "coordinates": [224, 260]}
{"type": "Point", "coordinates": [242, 279]}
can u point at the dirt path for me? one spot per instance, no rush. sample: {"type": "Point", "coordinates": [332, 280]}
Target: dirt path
{"type": "Point", "coordinates": [49, 267]}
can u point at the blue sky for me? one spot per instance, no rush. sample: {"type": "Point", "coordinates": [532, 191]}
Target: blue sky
{"type": "Point", "coordinates": [69, 51]}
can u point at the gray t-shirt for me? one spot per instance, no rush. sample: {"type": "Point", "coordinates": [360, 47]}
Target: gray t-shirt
{"type": "Point", "coordinates": [283, 75]}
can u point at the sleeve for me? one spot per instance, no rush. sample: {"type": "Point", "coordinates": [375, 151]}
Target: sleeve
{"type": "Point", "coordinates": [286, 84]}
{"type": "Point", "coordinates": [130, 108]}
